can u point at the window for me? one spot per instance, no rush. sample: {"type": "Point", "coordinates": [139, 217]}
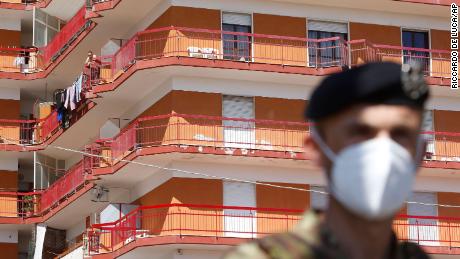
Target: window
{"type": "Point", "coordinates": [326, 53]}
{"type": "Point", "coordinates": [45, 28]}
{"type": "Point", "coordinates": [423, 231]}
{"type": "Point", "coordinates": [238, 133]}
{"type": "Point", "coordinates": [237, 46]}
{"type": "Point", "coordinates": [420, 40]}
{"type": "Point", "coordinates": [239, 223]}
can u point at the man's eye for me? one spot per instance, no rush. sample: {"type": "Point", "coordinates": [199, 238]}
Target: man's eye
{"type": "Point", "coordinates": [404, 138]}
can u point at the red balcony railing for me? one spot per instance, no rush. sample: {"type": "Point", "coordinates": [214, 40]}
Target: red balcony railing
{"type": "Point", "coordinates": [65, 37]}
{"type": "Point", "coordinates": [28, 132]}
{"type": "Point", "coordinates": [435, 63]}
{"type": "Point", "coordinates": [33, 134]}
{"type": "Point", "coordinates": [189, 219]}
{"type": "Point", "coordinates": [18, 204]}
{"type": "Point", "coordinates": [249, 134]}
{"type": "Point", "coordinates": [203, 131]}
{"type": "Point", "coordinates": [20, 60]}
{"type": "Point", "coordinates": [213, 133]}
{"type": "Point", "coordinates": [226, 45]}
{"type": "Point", "coordinates": [243, 222]}
{"type": "Point", "coordinates": [33, 60]}
{"type": "Point", "coordinates": [268, 49]}
{"type": "Point", "coordinates": [70, 182]}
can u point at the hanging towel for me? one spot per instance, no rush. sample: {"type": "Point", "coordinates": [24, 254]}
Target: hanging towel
{"type": "Point", "coordinates": [78, 87]}
{"type": "Point", "coordinates": [67, 97]}
{"type": "Point", "coordinates": [73, 104]}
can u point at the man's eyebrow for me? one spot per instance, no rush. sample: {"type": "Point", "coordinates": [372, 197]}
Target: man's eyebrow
{"type": "Point", "coordinates": [403, 128]}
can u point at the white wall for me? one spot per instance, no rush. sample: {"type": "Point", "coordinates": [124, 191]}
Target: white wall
{"type": "Point", "coordinates": [8, 236]}
{"type": "Point", "coordinates": [110, 47]}
{"type": "Point", "coordinates": [156, 12]}
{"type": "Point", "coordinates": [75, 230]}
{"type": "Point", "coordinates": [75, 254]}
{"type": "Point", "coordinates": [110, 129]}
{"type": "Point", "coordinates": [149, 99]}
{"type": "Point", "coordinates": [242, 87]}
{"type": "Point", "coordinates": [9, 164]}
{"type": "Point", "coordinates": [13, 24]}
{"type": "Point", "coordinates": [10, 93]}
{"type": "Point", "coordinates": [198, 254]}
{"type": "Point", "coordinates": [266, 172]}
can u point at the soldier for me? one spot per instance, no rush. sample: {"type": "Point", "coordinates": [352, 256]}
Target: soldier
{"type": "Point", "coordinates": [366, 137]}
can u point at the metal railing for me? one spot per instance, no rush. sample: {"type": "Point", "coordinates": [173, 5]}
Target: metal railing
{"type": "Point", "coordinates": [24, 2]}
{"type": "Point", "coordinates": [226, 45]}
{"type": "Point", "coordinates": [15, 204]}
{"type": "Point", "coordinates": [70, 182]}
{"type": "Point", "coordinates": [203, 131]}
{"type": "Point", "coordinates": [27, 132]}
{"type": "Point", "coordinates": [435, 63]}
{"type": "Point", "coordinates": [32, 60]}
{"type": "Point", "coordinates": [268, 49]}
{"type": "Point", "coordinates": [242, 222]}
{"type": "Point", "coordinates": [209, 134]}
{"type": "Point", "coordinates": [220, 132]}
{"type": "Point", "coordinates": [32, 134]}
{"type": "Point", "coordinates": [20, 60]}
{"type": "Point", "coordinates": [189, 220]}
{"type": "Point", "coordinates": [65, 37]}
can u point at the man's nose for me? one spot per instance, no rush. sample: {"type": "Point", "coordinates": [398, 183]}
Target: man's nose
{"type": "Point", "coordinates": [383, 134]}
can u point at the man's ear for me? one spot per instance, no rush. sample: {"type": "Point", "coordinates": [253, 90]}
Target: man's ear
{"type": "Point", "coordinates": [313, 152]}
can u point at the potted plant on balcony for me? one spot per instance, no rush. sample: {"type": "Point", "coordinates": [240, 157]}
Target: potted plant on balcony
{"type": "Point", "coordinates": [28, 205]}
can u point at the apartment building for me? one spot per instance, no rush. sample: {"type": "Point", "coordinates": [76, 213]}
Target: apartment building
{"type": "Point", "coordinates": [137, 153]}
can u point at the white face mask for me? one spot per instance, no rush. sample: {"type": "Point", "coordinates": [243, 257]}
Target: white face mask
{"type": "Point", "coordinates": [372, 178]}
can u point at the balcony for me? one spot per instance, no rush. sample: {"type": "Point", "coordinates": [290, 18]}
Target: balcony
{"type": "Point", "coordinates": [33, 135]}
{"type": "Point", "coordinates": [233, 136]}
{"type": "Point", "coordinates": [17, 62]}
{"type": "Point", "coordinates": [23, 4]}
{"type": "Point", "coordinates": [33, 207]}
{"type": "Point", "coordinates": [160, 224]}
{"type": "Point", "coordinates": [247, 51]}
{"type": "Point", "coordinates": [194, 134]}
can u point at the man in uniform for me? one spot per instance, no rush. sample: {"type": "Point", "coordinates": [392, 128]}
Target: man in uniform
{"type": "Point", "coordinates": [366, 137]}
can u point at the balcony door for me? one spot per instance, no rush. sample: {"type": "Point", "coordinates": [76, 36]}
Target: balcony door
{"type": "Point", "coordinates": [237, 43]}
{"type": "Point", "coordinates": [420, 40]}
{"type": "Point", "coordinates": [423, 231]}
{"type": "Point", "coordinates": [239, 223]}
{"type": "Point", "coordinates": [326, 53]}
{"type": "Point", "coordinates": [238, 131]}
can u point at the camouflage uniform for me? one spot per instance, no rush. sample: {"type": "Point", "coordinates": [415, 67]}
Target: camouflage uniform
{"type": "Point", "coordinates": [311, 240]}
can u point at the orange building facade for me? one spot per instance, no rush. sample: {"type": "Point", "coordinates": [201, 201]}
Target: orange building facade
{"type": "Point", "coordinates": [184, 136]}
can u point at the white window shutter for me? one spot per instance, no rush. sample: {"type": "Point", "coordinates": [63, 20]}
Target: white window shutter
{"type": "Point", "coordinates": [237, 18]}
{"type": "Point", "coordinates": [327, 26]}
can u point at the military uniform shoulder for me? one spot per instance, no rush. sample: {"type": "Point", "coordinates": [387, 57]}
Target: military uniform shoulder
{"type": "Point", "coordinates": [302, 242]}
{"type": "Point", "coordinates": [280, 246]}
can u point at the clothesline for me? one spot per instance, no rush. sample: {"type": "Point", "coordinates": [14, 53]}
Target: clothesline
{"type": "Point", "coordinates": [67, 100]}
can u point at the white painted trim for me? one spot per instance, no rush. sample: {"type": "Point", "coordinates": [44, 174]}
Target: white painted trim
{"type": "Point", "coordinates": [9, 236]}
{"type": "Point", "coordinates": [151, 98]}
{"type": "Point", "coordinates": [149, 18]}
{"type": "Point", "coordinates": [9, 163]}
{"type": "Point", "coordinates": [10, 24]}
{"type": "Point", "coordinates": [10, 93]}
{"type": "Point", "coordinates": [240, 87]}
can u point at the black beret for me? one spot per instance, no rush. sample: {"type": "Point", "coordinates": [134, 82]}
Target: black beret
{"type": "Point", "coordinates": [372, 83]}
